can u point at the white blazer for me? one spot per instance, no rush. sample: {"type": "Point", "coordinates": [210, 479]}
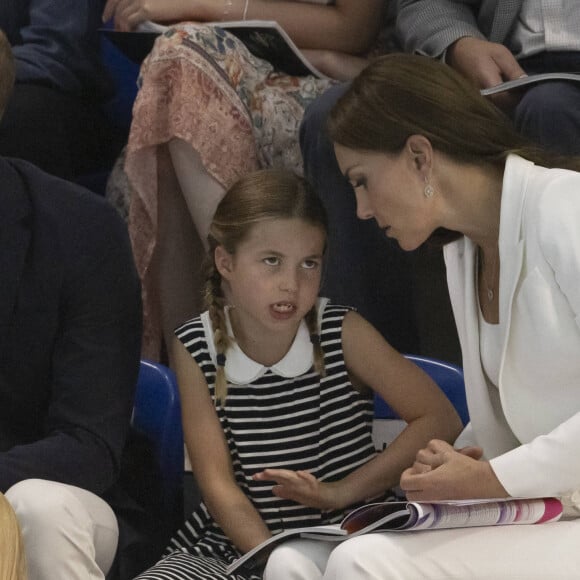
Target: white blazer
{"type": "Point", "coordinates": [529, 426]}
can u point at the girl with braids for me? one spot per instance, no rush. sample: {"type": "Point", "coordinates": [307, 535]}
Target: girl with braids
{"type": "Point", "coordinates": [276, 421]}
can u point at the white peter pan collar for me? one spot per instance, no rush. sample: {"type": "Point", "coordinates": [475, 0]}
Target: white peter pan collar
{"type": "Point", "coordinates": [240, 369]}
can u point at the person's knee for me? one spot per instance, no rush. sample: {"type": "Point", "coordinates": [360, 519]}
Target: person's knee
{"type": "Point", "coordinates": [279, 564]}
{"type": "Point", "coordinates": [361, 558]}
{"type": "Point", "coordinates": [548, 114]}
{"type": "Point", "coordinates": [38, 503]}
{"type": "Point", "coordinates": [343, 563]}
{"type": "Point", "coordinates": [298, 560]}
{"type": "Point", "coordinates": [65, 526]}
{"type": "Point", "coordinates": [547, 98]}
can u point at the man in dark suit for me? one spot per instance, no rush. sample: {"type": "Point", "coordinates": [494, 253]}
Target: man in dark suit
{"type": "Point", "coordinates": [70, 328]}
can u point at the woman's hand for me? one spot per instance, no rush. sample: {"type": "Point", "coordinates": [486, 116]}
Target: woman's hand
{"type": "Point", "coordinates": [301, 487]}
{"type": "Point", "coordinates": [128, 14]}
{"type": "Point", "coordinates": [442, 472]}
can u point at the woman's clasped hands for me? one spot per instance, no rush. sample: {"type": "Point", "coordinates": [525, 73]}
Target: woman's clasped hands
{"type": "Point", "coordinates": [441, 472]}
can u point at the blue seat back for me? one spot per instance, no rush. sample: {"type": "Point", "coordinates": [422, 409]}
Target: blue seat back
{"type": "Point", "coordinates": [123, 73]}
{"type": "Point", "coordinates": [157, 416]}
{"type": "Point", "coordinates": [448, 377]}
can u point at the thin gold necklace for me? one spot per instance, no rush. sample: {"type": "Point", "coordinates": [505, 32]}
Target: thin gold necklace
{"type": "Point", "coordinates": [490, 292]}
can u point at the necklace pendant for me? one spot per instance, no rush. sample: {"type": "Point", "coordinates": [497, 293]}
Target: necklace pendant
{"type": "Point", "coordinates": [490, 294]}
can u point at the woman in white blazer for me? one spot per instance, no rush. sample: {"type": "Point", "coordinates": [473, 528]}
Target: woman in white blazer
{"type": "Point", "coordinates": [432, 160]}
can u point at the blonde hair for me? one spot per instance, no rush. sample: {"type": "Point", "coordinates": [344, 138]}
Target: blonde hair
{"type": "Point", "coordinates": [256, 197]}
{"type": "Point", "coordinates": [7, 73]}
{"type": "Point", "coordinates": [399, 95]}
{"type": "Point", "coordinates": [12, 563]}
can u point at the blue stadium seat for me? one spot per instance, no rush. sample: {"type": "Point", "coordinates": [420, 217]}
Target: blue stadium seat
{"type": "Point", "coordinates": [448, 377]}
{"type": "Point", "coordinates": [157, 416]}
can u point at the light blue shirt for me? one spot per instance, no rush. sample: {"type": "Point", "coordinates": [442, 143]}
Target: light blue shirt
{"type": "Point", "coordinates": [546, 25]}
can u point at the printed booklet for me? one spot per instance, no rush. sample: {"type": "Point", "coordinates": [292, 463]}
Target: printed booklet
{"type": "Point", "coordinates": [403, 516]}
{"type": "Point", "coordinates": [264, 38]}
{"type": "Point", "coordinates": [530, 80]}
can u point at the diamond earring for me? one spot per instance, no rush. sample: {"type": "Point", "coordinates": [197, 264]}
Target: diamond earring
{"type": "Point", "coordinates": [429, 189]}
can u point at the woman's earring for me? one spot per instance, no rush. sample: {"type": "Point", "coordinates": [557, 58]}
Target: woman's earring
{"type": "Point", "coordinates": [429, 189]}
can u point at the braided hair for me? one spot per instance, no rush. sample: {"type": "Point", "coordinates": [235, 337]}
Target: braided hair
{"type": "Point", "coordinates": [256, 197]}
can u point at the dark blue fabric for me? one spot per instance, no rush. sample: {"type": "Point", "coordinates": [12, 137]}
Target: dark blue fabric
{"type": "Point", "coordinates": [56, 44]}
{"type": "Point", "coordinates": [55, 117]}
{"type": "Point", "coordinates": [363, 268]}
{"type": "Point", "coordinates": [70, 329]}
{"type": "Point", "coordinates": [549, 113]}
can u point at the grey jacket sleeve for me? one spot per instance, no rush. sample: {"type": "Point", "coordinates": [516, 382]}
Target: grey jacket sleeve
{"type": "Point", "coordinates": [429, 27]}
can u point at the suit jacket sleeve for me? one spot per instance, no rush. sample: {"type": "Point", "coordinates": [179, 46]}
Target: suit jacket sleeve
{"type": "Point", "coordinates": [429, 27]}
{"type": "Point", "coordinates": [94, 356]}
{"type": "Point", "coordinates": [60, 45]}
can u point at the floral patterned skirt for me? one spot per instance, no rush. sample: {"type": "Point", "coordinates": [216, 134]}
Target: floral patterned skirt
{"type": "Point", "coordinates": [200, 84]}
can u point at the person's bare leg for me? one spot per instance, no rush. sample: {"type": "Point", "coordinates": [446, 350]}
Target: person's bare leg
{"type": "Point", "coordinates": [179, 255]}
{"type": "Point", "coordinates": [201, 191]}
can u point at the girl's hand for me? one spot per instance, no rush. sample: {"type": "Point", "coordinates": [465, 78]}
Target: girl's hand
{"type": "Point", "coordinates": [301, 487]}
{"type": "Point", "coordinates": [441, 472]}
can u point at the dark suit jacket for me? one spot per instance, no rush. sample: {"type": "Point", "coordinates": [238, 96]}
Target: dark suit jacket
{"type": "Point", "coordinates": [70, 334]}
{"type": "Point", "coordinates": [430, 26]}
{"type": "Point", "coordinates": [70, 327]}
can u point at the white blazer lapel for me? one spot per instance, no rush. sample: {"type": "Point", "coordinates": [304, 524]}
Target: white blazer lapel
{"type": "Point", "coordinates": [488, 422]}
{"type": "Point", "coordinates": [489, 425]}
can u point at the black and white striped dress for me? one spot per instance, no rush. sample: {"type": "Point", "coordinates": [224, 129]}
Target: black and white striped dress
{"type": "Point", "coordinates": [289, 422]}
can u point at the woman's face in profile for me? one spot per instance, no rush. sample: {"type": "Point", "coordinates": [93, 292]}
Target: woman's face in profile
{"type": "Point", "coordinates": [389, 188]}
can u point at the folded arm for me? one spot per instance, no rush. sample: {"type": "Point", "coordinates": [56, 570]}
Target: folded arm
{"type": "Point", "coordinates": [348, 26]}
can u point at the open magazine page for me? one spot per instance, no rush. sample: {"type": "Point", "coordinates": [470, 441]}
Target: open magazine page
{"type": "Point", "coordinates": [486, 513]}
{"type": "Point", "coordinates": [452, 514]}
{"type": "Point", "coordinates": [403, 516]}
{"type": "Point", "coordinates": [330, 532]}
{"type": "Point", "coordinates": [530, 80]}
{"type": "Point", "coordinates": [269, 41]}
{"type": "Point", "coordinates": [379, 516]}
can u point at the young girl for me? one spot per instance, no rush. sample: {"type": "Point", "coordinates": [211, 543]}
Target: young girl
{"type": "Point", "coordinates": [276, 420]}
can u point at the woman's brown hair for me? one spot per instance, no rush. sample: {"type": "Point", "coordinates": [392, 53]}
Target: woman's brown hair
{"type": "Point", "coordinates": [256, 197]}
{"type": "Point", "coordinates": [399, 95]}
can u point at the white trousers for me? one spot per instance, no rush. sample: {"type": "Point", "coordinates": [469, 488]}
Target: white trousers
{"type": "Point", "coordinates": [524, 552]}
{"type": "Point", "coordinates": [69, 533]}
